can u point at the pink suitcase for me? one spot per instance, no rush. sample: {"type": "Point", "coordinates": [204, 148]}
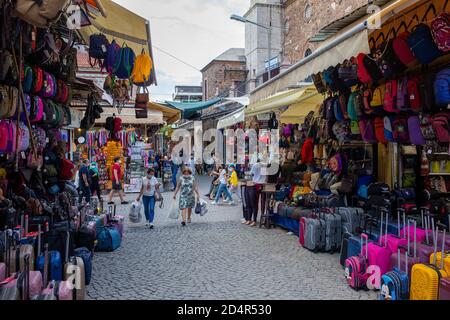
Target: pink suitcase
{"type": "Point", "coordinates": [394, 241]}
{"type": "Point", "coordinates": [410, 247]}
{"type": "Point", "coordinates": [378, 254]}
{"type": "Point", "coordinates": [444, 289]}
{"type": "Point", "coordinates": [422, 234]}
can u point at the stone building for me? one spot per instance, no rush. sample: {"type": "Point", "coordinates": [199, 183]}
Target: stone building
{"type": "Point", "coordinates": [225, 75]}
{"type": "Point", "coordinates": [304, 18]}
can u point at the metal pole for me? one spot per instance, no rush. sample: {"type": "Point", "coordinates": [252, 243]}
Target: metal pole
{"type": "Point", "coordinates": [150, 51]}
{"type": "Point", "coordinates": [269, 47]}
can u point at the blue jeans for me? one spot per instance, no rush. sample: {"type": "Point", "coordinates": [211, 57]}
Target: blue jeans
{"type": "Point", "coordinates": [174, 175]}
{"type": "Point", "coordinates": [223, 188]}
{"type": "Point", "coordinates": [149, 208]}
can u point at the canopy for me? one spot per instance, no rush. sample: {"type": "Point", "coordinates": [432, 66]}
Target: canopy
{"type": "Point", "coordinates": [170, 114]}
{"type": "Point", "coordinates": [128, 116]}
{"type": "Point", "coordinates": [190, 109]}
{"type": "Point", "coordinates": [349, 42]}
{"type": "Point", "coordinates": [232, 119]}
{"type": "Point", "coordinates": [124, 26]}
{"type": "Point", "coordinates": [282, 99]}
{"type": "Point", "coordinates": [297, 112]}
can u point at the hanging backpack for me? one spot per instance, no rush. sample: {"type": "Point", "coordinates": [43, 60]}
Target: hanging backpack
{"type": "Point", "coordinates": [377, 99]}
{"type": "Point", "coordinates": [415, 134]}
{"type": "Point", "coordinates": [363, 74]}
{"type": "Point", "coordinates": [388, 132]}
{"type": "Point", "coordinates": [113, 53]}
{"type": "Point", "coordinates": [354, 128]}
{"type": "Point", "coordinates": [422, 45]}
{"type": "Point", "coordinates": [27, 79]}
{"type": "Point", "coordinates": [38, 79]}
{"type": "Point", "coordinates": [442, 87]}
{"type": "Point", "coordinates": [48, 89]}
{"type": "Point", "coordinates": [415, 102]}
{"type": "Point", "coordinates": [372, 68]}
{"type": "Point", "coordinates": [4, 133]}
{"type": "Point", "coordinates": [98, 44]}
{"type": "Point", "coordinates": [426, 127]}
{"type": "Point", "coordinates": [426, 89]}
{"type": "Point", "coordinates": [337, 110]}
{"type": "Point", "coordinates": [351, 107]}
{"type": "Point", "coordinates": [441, 126]}
{"type": "Point", "coordinates": [403, 50]}
{"type": "Point", "coordinates": [329, 109]}
{"type": "Point", "coordinates": [366, 127]}
{"type": "Point", "coordinates": [440, 30]}
{"type": "Point", "coordinates": [402, 94]}
{"type": "Point", "coordinates": [390, 96]}
{"type": "Point", "coordinates": [379, 130]}
{"type": "Point", "coordinates": [368, 93]}
{"type": "Point", "coordinates": [341, 130]}
{"type": "Point", "coordinates": [400, 130]}
{"type": "Point", "coordinates": [388, 62]}
{"type": "Point", "coordinates": [319, 83]}
{"type": "Point", "coordinates": [142, 69]}
{"type": "Point", "coordinates": [359, 103]}
{"type": "Point", "coordinates": [38, 109]}
{"type": "Point", "coordinates": [124, 63]}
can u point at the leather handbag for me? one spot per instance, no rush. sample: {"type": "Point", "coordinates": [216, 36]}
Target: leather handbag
{"type": "Point", "coordinates": [39, 13]}
{"type": "Point", "coordinates": [141, 112]}
{"type": "Point", "coordinates": [142, 98]}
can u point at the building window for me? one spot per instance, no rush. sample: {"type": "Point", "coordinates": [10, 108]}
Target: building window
{"type": "Point", "coordinates": [308, 52]}
{"type": "Point", "coordinates": [308, 12]}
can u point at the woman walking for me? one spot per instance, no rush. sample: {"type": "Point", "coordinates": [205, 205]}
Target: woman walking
{"type": "Point", "coordinates": [188, 189]}
{"type": "Point", "coordinates": [223, 179]}
{"type": "Point", "coordinates": [150, 186]}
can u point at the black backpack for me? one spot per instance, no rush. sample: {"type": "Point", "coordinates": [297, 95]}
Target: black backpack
{"type": "Point", "coordinates": [372, 68]}
{"type": "Point", "coordinates": [109, 124]}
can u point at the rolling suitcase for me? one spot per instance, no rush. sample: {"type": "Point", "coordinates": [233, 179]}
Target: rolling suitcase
{"type": "Point", "coordinates": [315, 234]}
{"type": "Point", "coordinates": [412, 254]}
{"type": "Point", "coordinates": [108, 240]}
{"type": "Point", "coordinates": [444, 289]}
{"type": "Point", "coordinates": [333, 230]}
{"type": "Point", "coordinates": [116, 221]}
{"type": "Point", "coordinates": [393, 241]}
{"type": "Point", "coordinates": [351, 218]}
{"type": "Point", "coordinates": [48, 293]}
{"type": "Point", "coordinates": [16, 287]}
{"type": "Point", "coordinates": [74, 274]}
{"type": "Point", "coordinates": [4, 240]}
{"type": "Point", "coordinates": [378, 253]}
{"type": "Point", "coordinates": [301, 234]}
{"type": "Point", "coordinates": [344, 248]}
{"type": "Point", "coordinates": [86, 255]}
{"type": "Point", "coordinates": [395, 283]}
{"type": "Point", "coordinates": [422, 234]}
{"type": "Point", "coordinates": [426, 248]}
{"type": "Point", "coordinates": [356, 267]}
{"type": "Point", "coordinates": [425, 279]}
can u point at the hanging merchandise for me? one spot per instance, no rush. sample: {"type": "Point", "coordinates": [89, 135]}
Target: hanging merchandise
{"type": "Point", "coordinates": [141, 108]}
{"type": "Point", "coordinates": [442, 87]}
{"type": "Point", "coordinates": [440, 29]}
{"type": "Point", "coordinates": [98, 44]}
{"type": "Point", "coordinates": [142, 69]}
{"type": "Point", "coordinates": [124, 63]}
{"type": "Point", "coordinates": [112, 54]}
{"type": "Point", "coordinates": [421, 43]}
{"type": "Point", "coordinates": [415, 134]}
{"type": "Point", "coordinates": [39, 13]}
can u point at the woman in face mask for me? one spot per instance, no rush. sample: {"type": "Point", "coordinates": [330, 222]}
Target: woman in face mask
{"type": "Point", "coordinates": [188, 189]}
{"type": "Point", "coordinates": [150, 186]}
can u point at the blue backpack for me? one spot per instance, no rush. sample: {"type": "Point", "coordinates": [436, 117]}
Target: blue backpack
{"type": "Point", "coordinates": [112, 55]}
{"type": "Point", "coordinates": [86, 255]}
{"type": "Point", "coordinates": [108, 240]}
{"type": "Point", "coordinates": [337, 110]}
{"type": "Point", "coordinates": [422, 45]}
{"type": "Point", "coordinates": [98, 45]}
{"type": "Point", "coordinates": [124, 63]}
{"type": "Point", "coordinates": [442, 87]}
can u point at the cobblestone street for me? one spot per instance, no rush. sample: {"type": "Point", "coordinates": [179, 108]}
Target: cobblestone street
{"type": "Point", "coordinates": [215, 257]}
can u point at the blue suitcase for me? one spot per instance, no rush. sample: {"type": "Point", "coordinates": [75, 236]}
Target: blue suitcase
{"type": "Point", "coordinates": [55, 265]}
{"type": "Point", "coordinates": [395, 283]}
{"type": "Point", "coordinates": [86, 255]}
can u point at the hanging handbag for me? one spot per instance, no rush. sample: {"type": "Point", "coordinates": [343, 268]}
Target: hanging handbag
{"type": "Point", "coordinates": [39, 13]}
{"type": "Point", "coordinates": [142, 98]}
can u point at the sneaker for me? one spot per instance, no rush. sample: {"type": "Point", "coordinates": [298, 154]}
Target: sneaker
{"type": "Point", "coordinates": [125, 202]}
{"type": "Point", "coordinates": [214, 203]}
{"type": "Point", "coordinates": [244, 222]}
{"type": "Point", "coordinates": [183, 224]}
{"type": "Point", "coordinates": [152, 226]}
{"type": "Point", "coordinates": [111, 202]}
{"type": "Point", "coordinates": [147, 224]}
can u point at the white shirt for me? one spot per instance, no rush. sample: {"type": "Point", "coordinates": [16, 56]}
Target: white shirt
{"type": "Point", "coordinates": [256, 172]}
{"type": "Point", "coordinates": [149, 186]}
{"type": "Point", "coordinates": [77, 180]}
{"type": "Point", "coordinates": [222, 178]}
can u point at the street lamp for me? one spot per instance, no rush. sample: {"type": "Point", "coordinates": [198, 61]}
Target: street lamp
{"type": "Point", "coordinates": [268, 28]}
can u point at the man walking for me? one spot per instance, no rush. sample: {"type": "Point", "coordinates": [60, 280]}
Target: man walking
{"type": "Point", "coordinates": [84, 179]}
{"type": "Point", "coordinates": [116, 173]}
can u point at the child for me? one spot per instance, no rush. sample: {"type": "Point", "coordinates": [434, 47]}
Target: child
{"type": "Point", "coordinates": [233, 181]}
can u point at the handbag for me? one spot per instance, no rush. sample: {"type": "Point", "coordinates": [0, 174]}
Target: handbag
{"type": "Point", "coordinates": [141, 113]}
{"type": "Point", "coordinates": [142, 98]}
{"type": "Point", "coordinates": [39, 13]}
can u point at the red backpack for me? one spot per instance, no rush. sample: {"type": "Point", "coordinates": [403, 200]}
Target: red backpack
{"type": "Point", "coordinates": [379, 130]}
{"type": "Point", "coordinates": [363, 74]}
{"type": "Point", "coordinates": [66, 170]}
{"type": "Point", "coordinates": [390, 96]}
{"type": "Point", "coordinates": [117, 124]}
{"type": "Point", "coordinates": [441, 126]}
{"type": "Point", "coordinates": [403, 51]}
{"type": "Point", "coordinates": [415, 102]}
{"type": "Point", "coordinates": [440, 30]}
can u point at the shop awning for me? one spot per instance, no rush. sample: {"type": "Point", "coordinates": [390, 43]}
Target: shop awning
{"type": "Point", "coordinates": [297, 112]}
{"type": "Point", "coordinates": [282, 99]}
{"type": "Point", "coordinates": [170, 114]}
{"type": "Point", "coordinates": [124, 26]}
{"type": "Point", "coordinates": [190, 109]}
{"type": "Point", "coordinates": [232, 119]}
{"type": "Point", "coordinates": [349, 42]}
{"type": "Point", "coordinates": [128, 116]}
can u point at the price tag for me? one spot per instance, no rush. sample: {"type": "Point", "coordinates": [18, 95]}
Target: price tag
{"type": "Point", "coordinates": [412, 97]}
{"type": "Point", "coordinates": [104, 48]}
{"type": "Point", "coordinates": [23, 155]}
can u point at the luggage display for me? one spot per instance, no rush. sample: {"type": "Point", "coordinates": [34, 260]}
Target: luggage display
{"type": "Point", "coordinates": [356, 266]}
{"type": "Point", "coordinates": [351, 218]}
{"type": "Point", "coordinates": [412, 254]}
{"type": "Point", "coordinates": [425, 279]}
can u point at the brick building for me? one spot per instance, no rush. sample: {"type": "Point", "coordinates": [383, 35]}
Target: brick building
{"type": "Point", "coordinates": [225, 75]}
{"type": "Point", "coordinates": [304, 18]}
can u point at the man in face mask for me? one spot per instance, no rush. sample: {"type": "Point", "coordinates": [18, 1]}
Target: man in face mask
{"type": "Point", "coordinates": [149, 189]}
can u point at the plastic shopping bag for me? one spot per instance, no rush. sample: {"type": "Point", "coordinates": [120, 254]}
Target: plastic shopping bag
{"type": "Point", "coordinates": [174, 211]}
{"type": "Point", "coordinates": [135, 215]}
{"type": "Point", "coordinates": [203, 207]}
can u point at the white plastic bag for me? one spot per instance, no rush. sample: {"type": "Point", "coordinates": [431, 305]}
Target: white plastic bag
{"type": "Point", "coordinates": [135, 215]}
{"type": "Point", "coordinates": [204, 207]}
{"type": "Point", "coordinates": [174, 211]}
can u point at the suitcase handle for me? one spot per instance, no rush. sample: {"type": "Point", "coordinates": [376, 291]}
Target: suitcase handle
{"type": "Point", "coordinates": [366, 237]}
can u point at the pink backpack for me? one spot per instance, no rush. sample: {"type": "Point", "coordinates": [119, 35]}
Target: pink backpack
{"type": "Point", "coordinates": [402, 94]}
{"type": "Point", "coordinates": [24, 137]}
{"type": "Point", "coordinates": [4, 133]}
{"type": "Point", "coordinates": [441, 126]}
{"type": "Point", "coordinates": [402, 49]}
{"type": "Point", "coordinates": [49, 88]}
{"type": "Point", "coordinates": [440, 30]}
{"type": "Point", "coordinates": [390, 96]}
{"type": "Point", "coordinates": [39, 105]}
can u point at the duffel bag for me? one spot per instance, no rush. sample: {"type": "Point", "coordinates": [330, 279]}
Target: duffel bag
{"type": "Point", "coordinates": [108, 239]}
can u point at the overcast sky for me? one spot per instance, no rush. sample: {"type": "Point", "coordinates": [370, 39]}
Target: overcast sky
{"type": "Point", "coordinates": [195, 31]}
